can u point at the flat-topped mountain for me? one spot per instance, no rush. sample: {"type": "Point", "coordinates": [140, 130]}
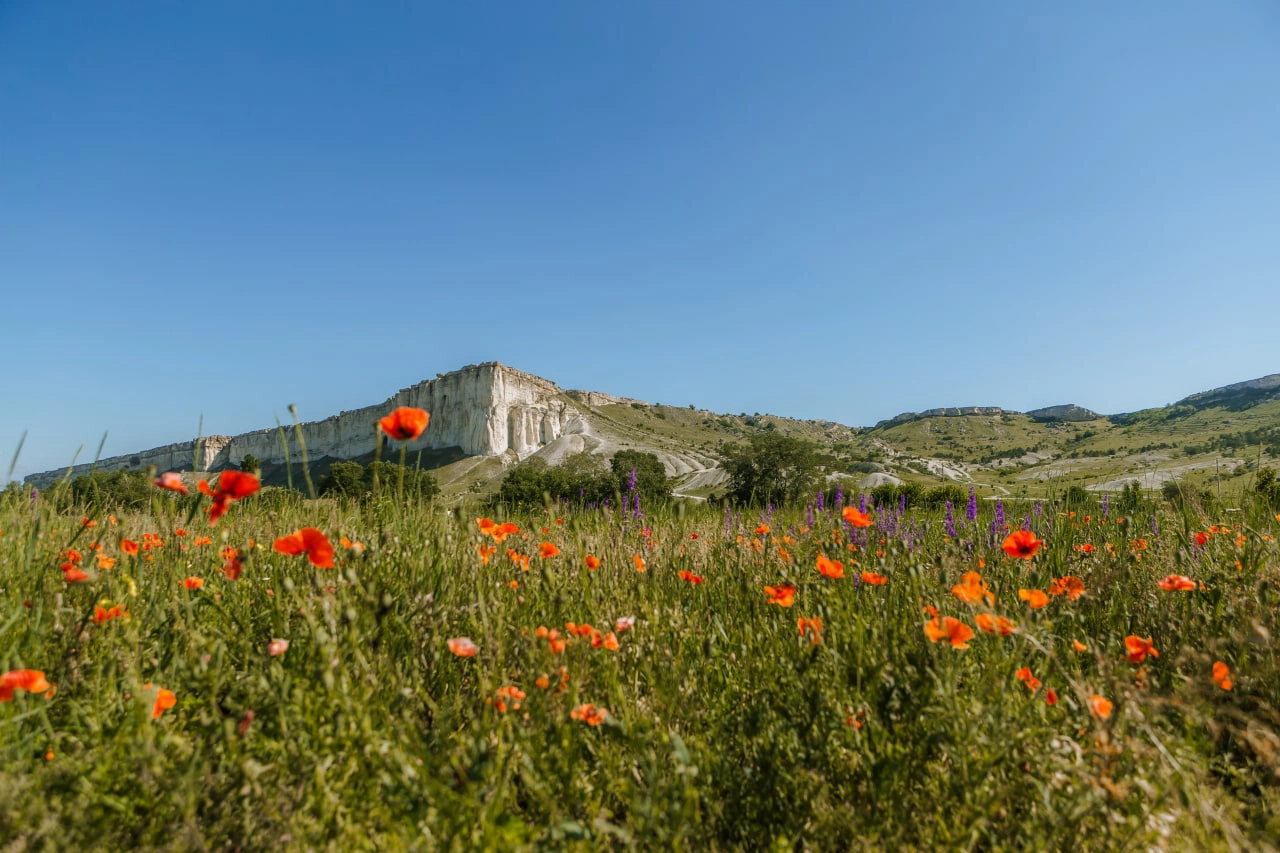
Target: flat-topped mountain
{"type": "Point", "coordinates": [1069, 412]}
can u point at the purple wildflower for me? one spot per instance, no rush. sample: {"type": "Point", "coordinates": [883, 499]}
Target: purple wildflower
{"type": "Point", "coordinates": [971, 512]}
{"type": "Point", "coordinates": [951, 521]}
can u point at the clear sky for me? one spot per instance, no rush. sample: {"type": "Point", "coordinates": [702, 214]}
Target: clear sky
{"type": "Point", "coordinates": [836, 210]}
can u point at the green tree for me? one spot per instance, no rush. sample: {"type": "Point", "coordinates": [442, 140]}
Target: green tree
{"type": "Point", "coordinates": [110, 489]}
{"type": "Point", "coordinates": [417, 483]}
{"type": "Point", "coordinates": [651, 477]}
{"type": "Point", "coordinates": [1131, 499]}
{"type": "Point", "coordinates": [525, 483]}
{"type": "Point", "coordinates": [580, 477]}
{"type": "Point", "coordinates": [939, 495]}
{"type": "Point", "coordinates": [250, 463]}
{"type": "Point", "coordinates": [1267, 487]}
{"type": "Point", "coordinates": [345, 479]}
{"type": "Point", "coordinates": [771, 468]}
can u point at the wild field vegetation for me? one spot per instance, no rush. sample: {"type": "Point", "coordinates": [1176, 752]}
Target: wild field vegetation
{"type": "Point", "coordinates": [390, 674]}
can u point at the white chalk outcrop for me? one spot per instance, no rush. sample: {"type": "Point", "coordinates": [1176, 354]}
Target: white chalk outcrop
{"type": "Point", "coordinates": [483, 409]}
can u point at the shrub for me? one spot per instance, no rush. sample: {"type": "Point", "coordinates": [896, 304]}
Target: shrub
{"type": "Point", "coordinates": [771, 468]}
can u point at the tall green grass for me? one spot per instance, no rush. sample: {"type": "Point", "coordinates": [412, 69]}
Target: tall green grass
{"type": "Point", "coordinates": [725, 728]}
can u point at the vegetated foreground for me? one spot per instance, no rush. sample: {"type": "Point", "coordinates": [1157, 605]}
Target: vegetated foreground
{"type": "Point", "coordinates": [385, 674]}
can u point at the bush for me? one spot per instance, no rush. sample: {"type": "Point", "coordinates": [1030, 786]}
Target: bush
{"type": "Point", "coordinates": [1131, 499]}
{"type": "Point", "coordinates": [584, 478]}
{"type": "Point", "coordinates": [651, 477]}
{"type": "Point", "coordinates": [353, 480]}
{"type": "Point", "coordinates": [939, 495]}
{"type": "Point", "coordinates": [344, 479]}
{"type": "Point", "coordinates": [1267, 488]}
{"type": "Point", "coordinates": [771, 468]}
{"type": "Point", "coordinates": [106, 490]}
{"type": "Point", "coordinates": [417, 483]}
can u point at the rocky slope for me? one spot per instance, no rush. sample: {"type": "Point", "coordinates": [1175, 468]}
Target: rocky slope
{"type": "Point", "coordinates": [486, 417]}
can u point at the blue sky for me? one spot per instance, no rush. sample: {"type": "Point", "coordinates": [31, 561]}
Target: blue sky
{"type": "Point", "coordinates": [832, 210]}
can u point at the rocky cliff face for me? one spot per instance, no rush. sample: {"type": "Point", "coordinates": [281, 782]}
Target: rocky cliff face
{"type": "Point", "coordinates": [483, 409]}
{"type": "Point", "coordinates": [1069, 412]}
{"type": "Point", "coordinates": [1264, 386]}
{"type": "Point", "coordinates": [950, 412]}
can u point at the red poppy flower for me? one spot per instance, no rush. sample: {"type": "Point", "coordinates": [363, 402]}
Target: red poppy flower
{"type": "Point", "coordinates": [1100, 706]}
{"type": "Point", "coordinates": [589, 714]}
{"type": "Point", "coordinates": [830, 568]}
{"type": "Point", "coordinates": [30, 680]}
{"type": "Point", "coordinates": [873, 579]}
{"type": "Point", "coordinates": [856, 518]}
{"type": "Point", "coordinates": [1022, 544]}
{"type": "Point", "coordinates": [233, 568]}
{"type": "Point", "coordinates": [995, 624]}
{"type": "Point", "coordinates": [783, 595]}
{"type": "Point", "coordinates": [1070, 586]}
{"type": "Point", "coordinates": [1139, 648]}
{"type": "Point", "coordinates": [593, 562]}
{"type": "Point", "coordinates": [232, 486]}
{"type": "Point", "coordinates": [811, 626]}
{"type": "Point", "coordinates": [547, 550]}
{"type": "Point", "coordinates": [1174, 583]}
{"type": "Point", "coordinates": [405, 423]}
{"type": "Point", "coordinates": [972, 589]}
{"type": "Point", "coordinates": [463, 647]}
{"type": "Point", "coordinates": [1024, 675]}
{"type": "Point", "coordinates": [1035, 598]}
{"type": "Point", "coordinates": [106, 614]}
{"type": "Point", "coordinates": [309, 541]}
{"type": "Point", "coordinates": [952, 630]}
{"type": "Point", "coordinates": [691, 577]}
{"type": "Point", "coordinates": [1222, 675]}
{"type": "Point", "coordinates": [164, 701]}
{"type": "Point", "coordinates": [171, 481]}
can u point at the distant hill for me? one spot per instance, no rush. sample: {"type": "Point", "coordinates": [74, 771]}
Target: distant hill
{"type": "Point", "coordinates": [488, 417]}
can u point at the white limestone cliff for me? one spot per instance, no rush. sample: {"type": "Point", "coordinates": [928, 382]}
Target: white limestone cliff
{"type": "Point", "coordinates": [483, 409]}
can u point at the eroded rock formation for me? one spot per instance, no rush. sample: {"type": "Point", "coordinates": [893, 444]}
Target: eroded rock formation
{"type": "Point", "coordinates": [483, 409]}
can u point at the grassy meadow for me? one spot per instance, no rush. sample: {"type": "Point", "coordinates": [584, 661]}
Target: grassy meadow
{"type": "Point", "coordinates": [662, 700]}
